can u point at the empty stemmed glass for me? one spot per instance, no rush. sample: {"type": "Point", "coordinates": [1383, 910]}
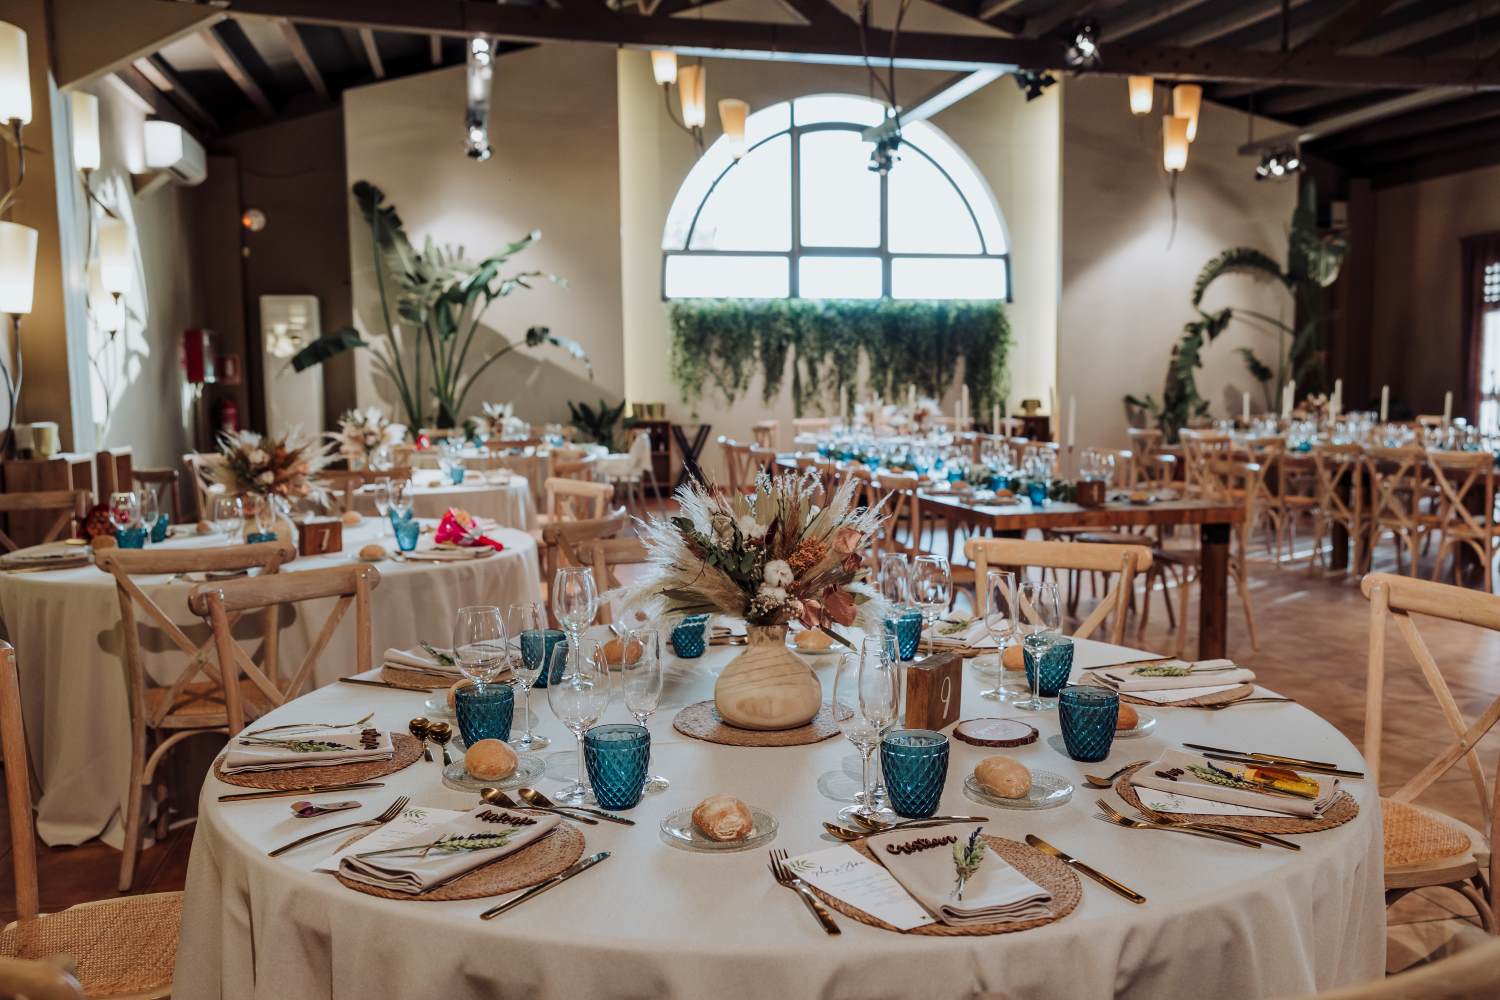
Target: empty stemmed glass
{"type": "Point", "coordinates": [401, 498]}
{"type": "Point", "coordinates": [150, 508]}
{"type": "Point", "coordinates": [229, 516]}
{"type": "Point", "coordinates": [1038, 609]}
{"type": "Point", "coordinates": [528, 659]}
{"type": "Point", "coordinates": [479, 644]}
{"type": "Point", "coordinates": [265, 516]}
{"type": "Point", "coordinates": [578, 691]}
{"type": "Point", "coordinates": [641, 681]}
{"type": "Point", "coordinates": [931, 585]}
{"type": "Point", "coordinates": [1000, 623]}
{"type": "Point", "coordinates": [865, 697]}
{"type": "Point", "coordinates": [380, 493]}
{"type": "Point", "coordinates": [895, 579]}
{"type": "Point", "coordinates": [575, 600]}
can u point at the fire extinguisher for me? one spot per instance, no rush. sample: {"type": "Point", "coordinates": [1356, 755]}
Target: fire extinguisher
{"type": "Point", "coordinates": [226, 416]}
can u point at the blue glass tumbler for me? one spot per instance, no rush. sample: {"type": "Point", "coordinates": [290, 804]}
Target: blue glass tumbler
{"type": "Point", "coordinates": [407, 533]}
{"type": "Point", "coordinates": [689, 638]}
{"type": "Point", "coordinates": [131, 538]}
{"type": "Point", "coordinates": [536, 650]}
{"type": "Point", "coordinates": [255, 537]}
{"type": "Point", "coordinates": [1088, 716]}
{"type": "Point", "coordinates": [1036, 492]}
{"type": "Point", "coordinates": [906, 626]}
{"type": "Point", "coordinates": [484, 712]}
{"type": "Point", "coordinates": [1049, 662]}
{"type": "Point", "coordinates": [617, 757]}
{"type": "Point", "coordinates": [160, 529]}
{"type": "Point", "coordinates": [914, 763]}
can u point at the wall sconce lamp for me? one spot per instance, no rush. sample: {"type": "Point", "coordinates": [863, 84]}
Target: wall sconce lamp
{"type": "Point", "coordinates": [692, 92]}
{"type": "Point", "coordinates": [17, 242]}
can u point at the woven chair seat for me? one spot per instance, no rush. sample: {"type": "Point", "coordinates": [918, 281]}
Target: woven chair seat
{"type": "Point", "coordinates": [201, 705]}
{"type": "Point", "coordinates": [1415, 835]}
{"type": "Point", "coordinates": [119, 947]}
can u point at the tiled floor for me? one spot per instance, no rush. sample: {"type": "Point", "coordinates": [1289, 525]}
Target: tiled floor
{"type": "Point", "coordinates": [1313, 630]}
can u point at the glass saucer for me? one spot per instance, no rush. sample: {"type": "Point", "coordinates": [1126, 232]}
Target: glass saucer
{"type": "Point", "coordinates": [438, 707]}
{"type": "Point", "coordinates": [1047, 790]}
{"type": "Point", "coordinates": [677, 829]}
{"type": "Point", "coordinates": [455, 775]}
{"type": "Point", "coordinates": [1145, 722]}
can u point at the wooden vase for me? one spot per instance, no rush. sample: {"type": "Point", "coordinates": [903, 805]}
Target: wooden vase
{"type": "Point", "coordinates": [768, 687]}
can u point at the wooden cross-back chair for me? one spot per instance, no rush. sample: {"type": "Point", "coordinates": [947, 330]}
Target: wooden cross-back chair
{"type": "Point", "coordinates": [1469, 973]}
{"type": "Point", "coordinates": [1125, 561]}
{"type": "Point", "coordinates": [125, 946]}
{"type": "Point", "coordinates": [737, 465]}
{"type": "Point", "coordinates": [343, 484]}
{"type": "Point", "coordinates": [575, 499]}
{"type": "Point", "coordinates": [1466, 509]}
{"type": "Point", "coordinates": [70, 507]}
{"type": "Point", "coordinates": [1198, 449]}
{"type": "Point", "coordinates": [811, 425]}
{"type": "Point", "coordinates": [164, 482]}
{"type": "Point", "coordinates": [566, 542]}
{"type": "Point", "coordinates": [896, 495]}
{"type": "Point", "coordinates": [222, 603]}
{"type": "Point", "coordinates": [200, 467]}
{"type": "Point", "coordinates": [1423, 847]}
{"type": "Point", "coordinates": [1339, 499]}
{"type": "Point", "coordinates": [162, 717]}
{"type": "Point", "coordinates": [767, 433]}
{"type": "Point", "coordinates": [1399, 486]}
{"type": "Point", "coordinates": [604, 556]}
{"type": "Point", "coordinates": [575, 464]}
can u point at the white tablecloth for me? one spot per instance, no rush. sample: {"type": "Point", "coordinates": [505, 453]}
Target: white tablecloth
{"type": "Point", "coordinates": [653, 921]}
{"type": "Point", "coordinates": [65, 625]}
{"type": "Point", "coordinates": [510, 503]}
{"type": "Point", "coordinates": [533, 463]}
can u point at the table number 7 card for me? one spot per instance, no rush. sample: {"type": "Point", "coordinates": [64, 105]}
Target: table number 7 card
{"type": "Point", "coordinates": [934, 690]}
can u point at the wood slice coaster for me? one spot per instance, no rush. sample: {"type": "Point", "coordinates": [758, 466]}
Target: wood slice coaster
{"type": "Point", "coordinates": [995, 732]}
{"type": "Point", "coordinates": [702, 721]}
{"type": "Point", "coordinates": [408, 752]}
{"type": "Point", "coordinates": [1217, 698]}
{"type": "Point", "coordinates": [536, 862]}
{"type": "Point", "coordinates": [1043, 869]}
{"type": "Point", "coordinates": [1341, 811]}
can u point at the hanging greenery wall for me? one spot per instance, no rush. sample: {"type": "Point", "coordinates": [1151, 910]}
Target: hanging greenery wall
{"type": "Point", "coordinates": [719, 345]}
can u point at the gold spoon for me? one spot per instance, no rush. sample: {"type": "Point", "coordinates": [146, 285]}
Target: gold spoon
{"type": "Point", "coordinates": [880, 826]}
{"type": "Point", "coordinates": [536, 798]}
{"type": "Point", "coordinates": [496, 797]}
{"type": "Point", "coordinates": [1109, 782]}
{"type": "Point", "coordinates": [421, 729]}
{"type": "Point", "coordinates": [441, 733]}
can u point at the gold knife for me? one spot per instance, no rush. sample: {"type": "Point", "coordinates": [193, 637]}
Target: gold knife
{"type": "Point", "coordinates": [305, 790]}
{"type": "Point", "coordinates": [577, 868]}
{"type": "Point", "coordinates": [393, 687]}
{"type": "Point", "coordinates": [1083, 869]}
{"type": "Point", "coordinates": [1268, 757]}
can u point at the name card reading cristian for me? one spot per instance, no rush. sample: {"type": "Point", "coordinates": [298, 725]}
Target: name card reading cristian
{"type": "Point", "coordinates": [934, 688]}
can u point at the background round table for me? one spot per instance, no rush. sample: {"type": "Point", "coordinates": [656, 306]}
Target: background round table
{"type": "Point", "coordinates": [65, 625]}
{"type": "Point", "coordinates": [508, 502]}
{"type": "Point", "coordinates": [1221, 921]}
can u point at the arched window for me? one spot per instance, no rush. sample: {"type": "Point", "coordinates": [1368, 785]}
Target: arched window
{"type": "Point", "coordinates": [802, 215]}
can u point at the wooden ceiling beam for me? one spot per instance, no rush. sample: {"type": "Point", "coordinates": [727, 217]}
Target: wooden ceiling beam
{"type": "Point", "coordinates": [1413, 33]}
{"type": "Point", "coordinates": [1117, 29]}
{"type": "Point", "coordinates": [435, 49]}
{"type": "Point", "coordinates": [162, 103]}
{"type": "Point", "coordinates": [1246, 14]}
{"type": "Point", "coordinates": [1421, 124]}
{"type": "Point", "coordinates": [160, 76]}
{"type": "Point", "coordinates": [1312, 131]}
{"type": "Point", "coordinates": [1346, 26]}
{"type": "Point", "coordinates": [818, 12]}
{"type": "Point", "coordinates": [304, 58]}
{"type": "Point", "coordinates": [372, 52]}
{"type": "Point", "coordinates": [236, 71]}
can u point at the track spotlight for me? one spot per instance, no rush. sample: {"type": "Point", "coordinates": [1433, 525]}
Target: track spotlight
{"type": "Point", "coordinates": [1083, 48]}
{"type": "Point", "coordinates": [1033, 83]}
{"type": "Point", "coordinates": [1278, 164]}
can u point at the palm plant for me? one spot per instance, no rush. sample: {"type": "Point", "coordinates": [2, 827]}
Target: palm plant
{"type": "Point", "coordinates": [596, 425]}
{"type": "Point", "coordinates": [431, 303]}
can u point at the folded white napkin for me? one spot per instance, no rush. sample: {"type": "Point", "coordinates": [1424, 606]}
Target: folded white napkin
{"type": "Point", "coordinates": [1190, 784]}
{"type": "Point", "coordinates": [280, 751]}
{"type": "Point", "coordinates": [960, 633]}
{"type": "Point", "coordinates": [421, 659]}
{"type": "Point", "coordinates": [995, 894]}
{"type": "Point", "coordinates": [447, 851]}
{"type": "Point", "coordinates": [451, 555]}
{"type": "Point", "coordinates": [1204, 673]}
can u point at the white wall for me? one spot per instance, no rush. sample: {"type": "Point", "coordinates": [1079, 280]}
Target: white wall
{"type": "Point", "coordinates": [1125, 293]}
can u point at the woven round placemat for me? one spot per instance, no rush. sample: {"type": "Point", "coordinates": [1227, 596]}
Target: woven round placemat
{"type": "Point", "coordinates": [702, 721]}
{"type": "Point", "coordinates": [536, 862]}
{"type": "Point", "coordinates": [1045, 870]}
{"type": "Point", "coordinates": [415, 680]}
{"type": "Point", "coordinates": [408, 752]}
{"type": "Point", "coordinates": [1343, 809]}
{"type": "Point", "coordinates": [1217, 698]}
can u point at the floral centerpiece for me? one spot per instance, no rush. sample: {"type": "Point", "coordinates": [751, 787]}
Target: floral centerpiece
{"type": "Point", "coordinates": [500, 421]}
{"type": "Point", "coordinates": [923, 411]}
{"type": "Point", "coordinates": [770, 558]}
{"type": "Point", "coordinates": [281, 466]}
{"type": "Point", "coordinates": [362, 432]}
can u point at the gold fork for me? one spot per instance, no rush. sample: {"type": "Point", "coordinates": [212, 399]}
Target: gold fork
{"type": "Point", "coordinates": [391, 812]}
{"type": "Point", "coordinates": [1120, 819]}
{"type": "Point", "coordinates": [783, 876]}
{"type": "Point", "coordinates": [1243, 701]}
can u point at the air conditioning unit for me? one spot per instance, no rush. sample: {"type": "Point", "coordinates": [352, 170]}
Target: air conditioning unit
{"type": "Point", "coordinates": [175, 153]}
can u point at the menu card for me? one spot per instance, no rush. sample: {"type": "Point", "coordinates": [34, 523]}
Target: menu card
{"type": "Point", "coordinates": [1171, 802]}
{"type": "Point", "coordinates": [404, 829]}
{"type": "Point", "coordinates": [846, 874]}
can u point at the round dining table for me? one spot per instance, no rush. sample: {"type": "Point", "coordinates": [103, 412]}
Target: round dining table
{"type": "Point", "coordinates": [656, 921]}
{"type": "Point", "coordinates": [65, 625]}
{"type": "Point", "coordinates": [501, 496]}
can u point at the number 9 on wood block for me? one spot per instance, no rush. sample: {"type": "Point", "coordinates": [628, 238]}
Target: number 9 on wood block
{"type": "Point", "coordinates": [934, 691]}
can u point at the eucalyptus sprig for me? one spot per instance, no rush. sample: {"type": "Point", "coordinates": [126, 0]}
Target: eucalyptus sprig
{"type": "Point", "coordinates": [967, 857]}
{"type": "Point", "coordinates": [1161, 670]}
{"type": "Point", "coordinates": [451, 844]}
{"type": "Point", "coordinates": [437, 654]}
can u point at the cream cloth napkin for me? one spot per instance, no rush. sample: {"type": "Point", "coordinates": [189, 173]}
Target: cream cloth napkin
{"type": "Point", "coordinates": [418, 871]}
{"type": "Point", "coordinates": [962, 634]}
{"type": "Point", "coordinates": [996, 894]}
{"type": "Point", "coordinates": [283, 753]}
{"type": "Point", "coordinates": [421, 659]}
{"type": "Point", "coordinates": [1125, 679]}
{"type": "Point", "coordinates": [451, 555]}
{"type": "Point", "coordinates": [1193, 786]}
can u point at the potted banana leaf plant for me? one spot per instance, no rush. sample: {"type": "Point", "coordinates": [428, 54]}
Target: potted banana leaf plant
{"type": "Point", "coordinates": [433, 348]}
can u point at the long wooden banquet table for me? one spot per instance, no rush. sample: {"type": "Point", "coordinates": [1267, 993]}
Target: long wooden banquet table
{"type": "Point", "coordinates": [657, 921]}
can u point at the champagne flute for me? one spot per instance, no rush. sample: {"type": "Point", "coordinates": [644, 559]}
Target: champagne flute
{"type": "Point", "coordinates": [931, 586]}
{"type": "Point", "coordinates": [528, 660]}
{"type": "Point", "coordinates": [229, 515]}
{"type": "Point", "coordinates": [1000, 622]}
{"type": "Point", "coordinates": [641, 682]}
{"type": "Point", "coordinates": [150, 508]}
{"type": "Point", "coordinates": [480, 644]}
{"type": "Point", "coordinates": [578, 691]}
{"type": "Point", "coordinates": [401, 498]}
{"type": "Point", "coordinates": [380, 492]}
{"type": "Point", "coordinates": [575, 600]}
{"type": "Point", "coordinates": [864, 701]}
{"type": "Point", "coordinates": [124, 510]}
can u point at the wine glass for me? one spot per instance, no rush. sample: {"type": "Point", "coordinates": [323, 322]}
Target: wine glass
{"type": "Point", "coordinates": [864, 701]}
{"type": "Point", "coordinates": [1038, 609]}
{"type": "Point", "coordinates": [1000, 622]}
{"type": "Point", "coordinates": [931, 585]}
{"type": "Point", "coordinates": [380, 492]}
{"type": "Point", "coordinates": [895, 579]}
{"type": "Point", "coordinates": [575, 600]}
{"type": "Point", "coordinates": [401, 498]}
{"type": "Point", "coordinates": [265, 515]}
{"type": "Point", "coordinates": [124, 510]}
{"type": "Point", "coordinates": [150, 508]}
{"type": "Point", "coordinates": [641, 681]}
{"type": "Point", "coordinates": [480, 646]}
{"type": "Point", "coordinates": [578, 691]}
{"type": "Point", "coordinates": [229, 515]}
{"type": "Point", "coordinates": [527, 660]}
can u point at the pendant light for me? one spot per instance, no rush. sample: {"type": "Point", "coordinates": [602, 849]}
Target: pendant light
{"type": "Point", "coordinates": [1187, 101]}
{"type": "Point", "coordinates": [664, 66]}
{"type": "Point", "coordinates": [17, 268]}
{"type": "Point", "coordinates": [1174, 142]}
{"type": "Point", "coordinates": [1142, 94]}
{"type": "Point", "coordinates": [85, 108]}
{"type": "Point", "coordinates": [15, 75]}
{"type": "Point", "coordinates": [732, 114]}
{"type": "Point", "coordinates": [692, 88]}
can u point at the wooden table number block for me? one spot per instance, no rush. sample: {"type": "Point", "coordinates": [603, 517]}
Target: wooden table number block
{"type": "Point", "coordinates": [934, 690]}
{"type": "Point", "coordinates": [320, 538]}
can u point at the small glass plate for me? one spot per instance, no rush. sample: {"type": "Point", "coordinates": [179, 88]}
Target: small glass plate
{"type": "Point", "coordinates": [1047, 790]}
{"type": "Point", "coordinates": [1144, 724]}
{"type": "Point", "coordinates": [528, 768]}
{"type": "Point", "coordinates": [677, 830]}
{"type": "Point", "coordinates": [438, 707]}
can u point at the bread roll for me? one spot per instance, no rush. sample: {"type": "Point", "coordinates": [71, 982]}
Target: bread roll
{"type": "Point", "coordinates": [204, 528]}
{"type": "Point", "coordinates": [813, 640]}
{"type": "Point", "coordinates": [1128, 718]}
{"type": "Point", "coordinates": [616, 650]}
{"type": "Point", "coordinates": [372, 552]}
{"type": "Point", "coordinates": [352, 518]}
{"type": "Point", "coordinates": [1014, 658]}
{"type": "Point", "coordinates": [453, 691]}
{"type": "Point", "coordinates": [1003, 777]}
{"type": "Point", "coordinates": [490, 760]}
{"type": "Point", "coordinates": [723, 818]}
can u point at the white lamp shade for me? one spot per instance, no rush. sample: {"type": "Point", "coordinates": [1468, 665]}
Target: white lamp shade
{"type": "Point", "coordinates": [114, 255]}
{"type": "Point", "coordinates": [692, 87]}
{"type": "Point", "coordinates": [15, 75]}
{"type": "Point", "coordinates": [164, 143]}
{"type": "Point", "coordinates": [17, 267]}
{"type": "Point", "coordinates": [732, 114]}
{"type": "Point", "coordinates": [664, 66]}
{"type": "Point", "coordinates": [85, 130]}
{"type": "Point", "coordinates": [1174, 142]}
{"type": "Point", "coordinates": [103, 307]}
{"type": "Point", "coordinates": [1187, 101]}
{"type": "Point", "coordinates": [1142, 94]}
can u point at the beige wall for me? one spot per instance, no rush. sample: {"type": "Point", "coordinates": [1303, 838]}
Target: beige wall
{"type": "Point", "coordinates": [1125, 293]}
{"type": "Point", "coordinates": [554, 168]}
